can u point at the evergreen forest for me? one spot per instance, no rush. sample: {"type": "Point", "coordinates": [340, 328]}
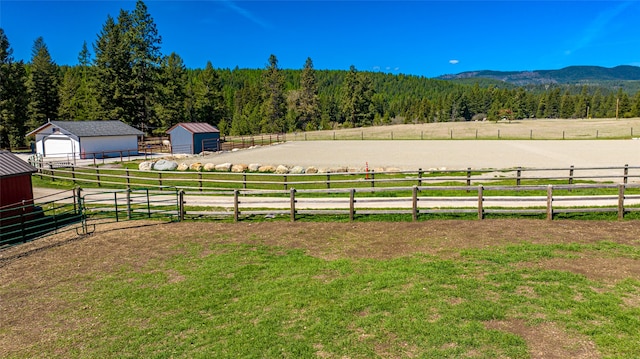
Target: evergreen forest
{"type": "Point", "coordinates": [123, 75]}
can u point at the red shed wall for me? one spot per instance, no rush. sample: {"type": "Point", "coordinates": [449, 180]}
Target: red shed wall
{"type": "Point", "coordinates": [15, 189]}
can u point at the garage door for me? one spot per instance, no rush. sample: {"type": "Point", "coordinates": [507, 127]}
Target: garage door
{"type": "Point", "coordinates": [57, 147]}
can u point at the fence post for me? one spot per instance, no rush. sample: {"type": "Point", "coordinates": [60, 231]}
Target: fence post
{"type": "Point", "coordinates": [518, 175]}
{"type": "Point", "coordinates": [160, 180]}
{"type": "Point", "coordinates": [571, 174]}
{"type": "Point", "coordinates": [328, 181]}
{"type": "Point", "coordinates": [420, 172]}
{"type": "Point", "coordinates": [352, 195]}
{"type": "Point", "coordinates": [625, 178]}
{"type": "Point", "coordinates": [128, 179]}
{"type": "Point", "coordinates": [415, 203]}
{"type": "Point", "coordinates": [480, 202]}
{"type": "Point", "coordinates": [244, 181]}
{"type": "Point", "coordinates": [200, 181]}
{"type": "Point", "coordinates": [73, 173]}
{"type": "Point", "coordinates": [53, 176]}
{"type": "Point", "coordinates": [236, 212]}
{"type": "Point", "coordinates": [284, 179]}
{"type": "Point", "coordinates": [148, 204]}
{"type": "Point", "coordinates": [129, 203]}
{"type": "Point", "coordinates": [115, 202]}
{"type": "Point", "coordinates": [373, 178]}
{"type": "Point", "coordinates": [78, 195]}
{"type": "Point", "coordinates": [292, 197]}
{"type": "Point", "coordinates": [98, 177]}
{"type": "Point", "coordinates": [181, 205]}
{"type": "Point", "coordinates": [550, 202]}
{"type": "Point", "coordinates": [621, 188]}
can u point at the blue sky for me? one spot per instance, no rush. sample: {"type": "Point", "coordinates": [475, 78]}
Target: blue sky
{"type": "Point", "coordinates": [426, 38]}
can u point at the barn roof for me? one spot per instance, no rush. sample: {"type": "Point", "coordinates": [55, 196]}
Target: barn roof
{"type": "Point", "coordinates": [195, 127]}
{"type": "Point", "coordinates": [91, 128]}
{"type": "Point", "coordinates": [11, 165]}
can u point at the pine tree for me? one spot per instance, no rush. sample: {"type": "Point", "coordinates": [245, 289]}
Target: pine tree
{"type": "Point", "coordinates": [13, 97]}
{"type": "Point", "coordinates": [170, 107]}
{"type": "Point", "coordinates": [111, 70]}
{"type": "Point", "coordinates": [43, 86]}
{"type": "Point", "coordinates": [210, 106]}
{"type": "Point", "coordinates": [144, 44]}
{"type": "Point", "coordinates": [308, 105]}
{"type": "Point", "coordinates": [274, 105]}
{"type": "Point", "coordinates": [69, 100]}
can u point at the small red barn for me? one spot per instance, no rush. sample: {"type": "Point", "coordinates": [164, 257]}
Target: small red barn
{"type": "Point", "coordinates": [15, 185]}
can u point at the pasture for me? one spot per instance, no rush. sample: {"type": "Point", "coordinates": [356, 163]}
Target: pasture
{"type": "Point", "coordinates": [476, 289]}
{"type": "Point", "coordinates": [497, 288]}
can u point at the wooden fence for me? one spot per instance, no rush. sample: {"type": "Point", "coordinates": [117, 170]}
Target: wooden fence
{"type": "Point", "coordinates": [349, 204]}
{"type": "Point", "coordinates": [203, 181]}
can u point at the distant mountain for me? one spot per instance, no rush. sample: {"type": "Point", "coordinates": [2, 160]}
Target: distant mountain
{"type": "Point", "coordinates": [567, 75]}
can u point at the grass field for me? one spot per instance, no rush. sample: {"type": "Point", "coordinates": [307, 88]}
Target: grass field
{"type": "Point", "coordinates": [474, 289]}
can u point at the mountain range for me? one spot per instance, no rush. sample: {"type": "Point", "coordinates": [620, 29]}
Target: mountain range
{"type": "Point", "coordinates": [567, 75]}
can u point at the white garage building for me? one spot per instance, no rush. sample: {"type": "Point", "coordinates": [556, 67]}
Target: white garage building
{"type": "Point", "coordinates": [86, 139]}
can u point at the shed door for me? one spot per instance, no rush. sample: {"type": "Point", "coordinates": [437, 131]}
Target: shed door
{"type": "Point", "coordinates": [57, 147]}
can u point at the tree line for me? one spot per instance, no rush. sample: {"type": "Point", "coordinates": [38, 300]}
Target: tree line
{"type": "Point", "coordinates": [126, 77]}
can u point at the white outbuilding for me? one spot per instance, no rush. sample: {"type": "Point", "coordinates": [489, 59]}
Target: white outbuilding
{"type": "Point", "coordinates": [86, 139]}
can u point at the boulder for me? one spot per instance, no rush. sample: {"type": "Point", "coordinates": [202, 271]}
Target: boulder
{"type": "Point", "coordinates": [296, 170]}
{"type": "Point", "coordinates": [281, 169]}
{"type": "Point", "coordinates": [253, 167]}
{"type": "Point", "coordinates": [182, 167]}
{"type": "Point", "coordinates": [223, 167]}
{"type": "Point", "coordinates": [209, 166]}
{"type": "Point", "coordinates": [393, 169]}
{"type": "Point", "coordinates": [238, 168]}
{"type": "Point", "coordinates": [322, 170]}
{"type": "Point", "coordinates": [266, 168]}
{"type": "Point", "coordinates": [145, 166]}
{"type": "Point", "coordinates": [165, 165]}
{"type": "Point", "coordinates": [311, 170]}
{"type": "Point", "coordinates": [339, 170]}
{"type": "Point", "coordinates": [197, 166]}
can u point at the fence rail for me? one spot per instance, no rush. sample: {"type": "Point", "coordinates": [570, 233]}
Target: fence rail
{"type": "Point", "coordinates": [207, 181]}
{"type": "Point", "coordinates": [87, 207]}
{"type": "Point", "coordinates": [420, 202]}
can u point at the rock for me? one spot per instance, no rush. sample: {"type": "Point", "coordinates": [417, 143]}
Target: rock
{"type": "Point", "coordinates": [182, 167]}
{"type": "Point", "coordinates": [165, 165]}
{"type": "Point", "coordinates": [145, 166]}
{"type": "Point", "coordinates": [296, 170]}
{"type": "Point", "coordinates": [355, 170]}
{"type": "Point", "coordinates": [378, 169]}
{"type": "Point", "coordinates": [209, 166]}
{"type": "Point", "coordinates": [322, 170]}
{"type": "Point", "coordinates": [235, 149]}
{"type": "Point", "coordinates": [266, 168]}
{"type": "Point", "coordinates": [281, 169]}
{"type": "Point", "coordinates": [339, 169]}
{"type": "Point", "coordinates": [223, 167]}
{"type": "Point", "coordinates": [393, 169]}
{"type": "Point", "coordinates": [197, 166]}
{"type": "Point", "coordinates": [311, 170]}
{"type": "Point", "coordinates": [238, 168]}
{"type": "Point", "coordinates": [253, 167]}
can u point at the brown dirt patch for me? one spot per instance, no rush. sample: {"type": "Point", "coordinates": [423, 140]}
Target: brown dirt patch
{"type": "Point", "coordinates": [547, 341]}
{"type": "Point", "coordinates": [29, 271]}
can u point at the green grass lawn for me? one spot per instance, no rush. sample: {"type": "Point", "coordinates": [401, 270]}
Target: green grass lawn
{"type": "Point", "coordinates": [255, 301]}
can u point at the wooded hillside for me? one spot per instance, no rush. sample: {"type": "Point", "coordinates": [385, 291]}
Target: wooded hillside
{"type": "Point", "coordinates": [127, 77]}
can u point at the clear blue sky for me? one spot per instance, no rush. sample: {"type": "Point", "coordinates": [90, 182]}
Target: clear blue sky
{"type": "Point", "coordinates": [427, 38]}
